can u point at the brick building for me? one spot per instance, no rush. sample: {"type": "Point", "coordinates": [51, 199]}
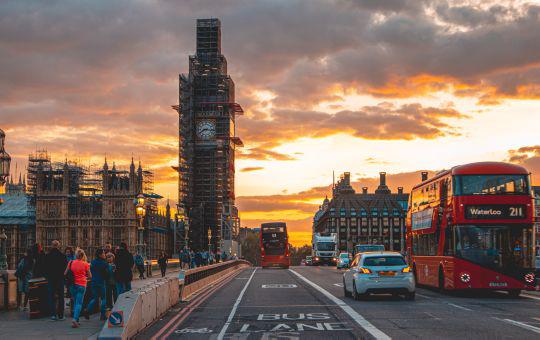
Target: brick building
{"type": "Point", "coordinates": [376, 218]}
{"type": "Point", "coordinates": [86, 208]}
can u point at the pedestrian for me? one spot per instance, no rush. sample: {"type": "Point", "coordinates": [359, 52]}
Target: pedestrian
{"type": "Point", "coordinates": [70, 254]}
{"type": "Point", "coordinates": [55, 265]}
{"type": "Point", "coordinates": [224, 256]}
{"type": "Point", "coordinates": [192, 257]}
{"type": "Point", "coordinates": [39, 261]}
{"type": "Point", "coordinates": [211, 257]}
{"type": "Point", "coordinates": [139, 262]}
{"type": "Point", "coordinates": [162, 262]}
{"type": "Point", "coordinates": [79, 271]}
{"type": "Point", "coordinates": [111, 283]}
{"type": "Point", "coordinates": [24, 274]}
{"type": "Point", "coordinates": [99, 269]}
{"type": "Point", "coordinates": [198, 259]}
{"type": "Point", "coordinates": [107, 248]}
{"type": "Point", "coordinates": [205, 258]}
{"type": "Point", "coordinates": [186, 260]}
{"type": "Point", "coordinates": [124, 269]}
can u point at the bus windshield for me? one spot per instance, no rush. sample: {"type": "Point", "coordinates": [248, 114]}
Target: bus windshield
{"type": "Point", "coordinates": [499, 247]}
{"type": "Point", "coordinates": [326, 246]}
{"type": "Point", "coordinates": [364, 248]}
{"type": "Point", "coordinates": [491, 185]}
{"type": "Point", "coordinates": [274, 242]}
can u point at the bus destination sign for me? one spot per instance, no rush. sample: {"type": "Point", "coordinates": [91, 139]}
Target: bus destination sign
{"type": "Point", "coordinates": [494, 212]}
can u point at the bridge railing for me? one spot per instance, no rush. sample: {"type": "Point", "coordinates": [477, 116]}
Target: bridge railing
{"type": "Point", "coordinates": [141, 307]}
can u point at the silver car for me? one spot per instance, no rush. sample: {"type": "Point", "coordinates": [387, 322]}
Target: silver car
{"type": "Point", "coordinates": [379, 272]}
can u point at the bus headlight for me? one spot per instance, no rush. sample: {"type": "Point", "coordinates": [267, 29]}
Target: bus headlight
{"type": "Point", "coordinates": [529, 278]}
{"type": "Point", "coordinates": [465, 277]}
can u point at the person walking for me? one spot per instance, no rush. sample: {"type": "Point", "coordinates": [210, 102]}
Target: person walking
{"type": "Point", "coordinates": [162, 262]}
{"type": "Point", "coordinates": [99, 269]}
{"type": "Point", "coordinates": [79, 271]}
{"type": "Point", "coordinates": [124, 269]}
{"type": "Point", "coordinates": [139, 262]}
{"type": "Point", "coordinates": [205, 258]}
{"type": "Point", "coordinates": [24, 274]}
{"type": "Point", "coordinates": [186, 260]}
{"type": "Point", "coordinates": [111, 283]}
{"type": "Point", "coordinates": [70, 254]}
{"type": "Point", "coordinates": [224, 256]}
{"type": "Point", "coordinates": [55, 265]}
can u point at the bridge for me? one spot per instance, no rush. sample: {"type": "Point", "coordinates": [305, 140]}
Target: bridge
{"type": "Point", "coordinates": [308, 302]}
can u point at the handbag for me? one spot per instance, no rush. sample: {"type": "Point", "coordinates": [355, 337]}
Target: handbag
{"type": "Point", "coordinates": [70, 278]}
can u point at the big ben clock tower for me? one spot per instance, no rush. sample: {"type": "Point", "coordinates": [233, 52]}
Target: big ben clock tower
{"type": "Point", "coordinates": [207, 114]}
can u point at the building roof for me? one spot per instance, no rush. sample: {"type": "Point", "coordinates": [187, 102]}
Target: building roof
{"type": "Point", "coordinates": [16, 210]}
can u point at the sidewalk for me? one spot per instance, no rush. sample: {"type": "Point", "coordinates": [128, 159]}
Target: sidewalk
{"type": "Point", "coordinates": [17, 325]}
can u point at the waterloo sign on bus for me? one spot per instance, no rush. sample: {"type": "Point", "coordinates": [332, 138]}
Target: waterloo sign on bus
{"type": "Point", "coordinates": [499, 211]}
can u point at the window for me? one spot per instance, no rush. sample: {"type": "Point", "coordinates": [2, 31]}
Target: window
{"type": "Point", "coordinates": [342, 212]}
{"type": "Point", "coordinates": [383, 261]}
{"type": "Point", "coordinates": [363, 212]}
{"type": "Point", "coordinates": [385, 212]}
{"type": "Point", "coordinates": [97, 237]}
{"type": "Point", "coordinates": [353, 212]}
{"type": "Point", "coordinates": [374, 212]}
{"type": "Point", "coordinates": [491, 184]}
{"type": "Point", "coordinates": [424, 244]}
{"type": "Point", "coordinates": [355, 261]}
{"type": "Point", "coordinates": [375, 221]}
{"type": "Point", "coordinates": [73, 237]}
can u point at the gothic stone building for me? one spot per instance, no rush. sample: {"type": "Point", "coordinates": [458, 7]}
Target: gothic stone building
{"type": "Point", "coordinates": [360, 218]}
{"type": "Point", "coordinates": [87, 210]}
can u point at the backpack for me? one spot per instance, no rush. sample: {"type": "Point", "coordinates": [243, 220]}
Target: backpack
{"type": "Point", "coordinates": [70, 278]}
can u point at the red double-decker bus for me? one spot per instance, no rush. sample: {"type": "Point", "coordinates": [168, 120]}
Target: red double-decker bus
{"type": "Point", "coordinates": [471, 227]}
{"type": "Point", "coordinates": [274, 245]}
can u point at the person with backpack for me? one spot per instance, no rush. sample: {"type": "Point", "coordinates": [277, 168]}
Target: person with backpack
{"type": "Point", "coordinates": [124, 269]}
{"type": "Point", "coordinates": [100, 271]}
{"type": "Point", "coordinates": [55, 265]}
{"type": "Point", "coordinates": [77, 273]}
{"type": "Point", "coordinates": [111, 283]}
{"type": "Point", "coordinates": [24, 274]}
{"type": "Point", "coordinates": [186, 259]}
{"type": "Point", "coordinates": [139, 262]}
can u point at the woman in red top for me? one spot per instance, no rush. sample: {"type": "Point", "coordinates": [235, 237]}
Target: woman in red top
{"type": "Point", "coordinates": [81, 272]}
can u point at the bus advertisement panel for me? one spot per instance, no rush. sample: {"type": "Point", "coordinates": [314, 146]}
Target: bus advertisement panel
{"type": "Point", "coordinates": [274, 245]}
{"type": "Point", "coordinates": [471, 227]}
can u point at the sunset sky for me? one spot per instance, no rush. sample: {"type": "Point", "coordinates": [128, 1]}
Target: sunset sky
{"type": "Point", "coordinates": [345, 85]}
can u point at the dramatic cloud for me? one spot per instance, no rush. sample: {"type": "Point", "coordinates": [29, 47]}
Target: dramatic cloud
{"type": "Point", "coordinates": [250, 169]}
{"type": "Point", "coordinates": [529, 157]}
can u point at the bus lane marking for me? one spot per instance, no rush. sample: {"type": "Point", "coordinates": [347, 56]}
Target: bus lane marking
{"type": "Point", "coordinates": [530, 297]}
{"type": "Point", "coordinates": [338, 285]}
{"type": "Point", "coordinates": [302, 322]}
{"type": "Point", "coordinates": [460, 307]}
{"type": "Point", "coordinates": [279, 285]}
{"type": "Point", "coordinates": [359, 319]}
{"type": "Point", "coordinates": [235, 307]}
{"type": "Point", "coordinates": [521, 324]}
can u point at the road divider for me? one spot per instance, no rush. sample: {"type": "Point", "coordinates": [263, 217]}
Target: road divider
{"type": "Point", "coordinates": [143, 306]}
{"type": "Point", "coordinates": [359, 319]}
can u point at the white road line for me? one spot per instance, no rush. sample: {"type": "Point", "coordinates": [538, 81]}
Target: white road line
{"type": "Point", "coordinates": [338, 285]}
{"type": "Point", "coordinates": [521, 324]}
{"type": "Point", "coordinates": [424, 296]}
{"type": "Point", "coordinates": [233, 311]}
{"type": "Point", "coordinates": [460, 307]}
{"type": "Point", "coordinates": [530, 296]}
{"type": "Point", "coordinates": [359, 319]}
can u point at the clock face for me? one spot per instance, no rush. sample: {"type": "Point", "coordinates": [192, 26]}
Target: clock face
{"type": "Point", "coordinates": [206, 129]}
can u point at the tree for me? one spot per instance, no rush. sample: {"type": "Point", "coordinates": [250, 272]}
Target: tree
{"type": "Point", "coordinates": [299, 253]}
{"type": "Point", "coordinates": [251, 250]}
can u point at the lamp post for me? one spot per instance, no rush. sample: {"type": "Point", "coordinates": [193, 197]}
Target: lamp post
{"type": "Point", "coordinates": [141, 212]}
{"type": "Point", "coordinates": [186, 235]}
{"type": "Point", "coordinates": [209, 240]}
{"type": "Point", "coordinates": [5, 161]}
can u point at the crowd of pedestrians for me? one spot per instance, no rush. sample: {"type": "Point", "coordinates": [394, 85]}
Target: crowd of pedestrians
{"type": "Point", "coordinates": [69, 274]}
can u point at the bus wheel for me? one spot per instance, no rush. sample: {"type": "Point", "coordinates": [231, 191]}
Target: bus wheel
{"type": "Point", "coordinates": [286, 267]}
{"type": "Point", "coordinates": [414, 273]}
{"type": "Point", "coordinates": [441, 279]}
{"type": "Point", "coordinates": [514, 293]}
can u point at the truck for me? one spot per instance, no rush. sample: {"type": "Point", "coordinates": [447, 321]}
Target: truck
{"type": "Point", "coordinates": [324, 249]}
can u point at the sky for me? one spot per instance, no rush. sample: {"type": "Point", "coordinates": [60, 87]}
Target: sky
{"type": "Point", "coordinates": [327, 86]}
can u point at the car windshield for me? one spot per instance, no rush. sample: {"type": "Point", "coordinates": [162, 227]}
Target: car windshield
{"type": "Point", "coordinates": [326, 246]}
{"type": "Point", "coordinates": [491, 185]}
{"type": "Point", "coordinates": [382, 261]}
{"type": "Point", "coordinates": [502, 248]}
{"type": "Point", "coordinates": [344, 256]}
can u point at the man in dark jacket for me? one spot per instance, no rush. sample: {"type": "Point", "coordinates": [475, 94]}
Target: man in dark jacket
{"type": "Point", "coordinates": [124, 269]}
{"type": "Point", "coordinates": [55, 265]}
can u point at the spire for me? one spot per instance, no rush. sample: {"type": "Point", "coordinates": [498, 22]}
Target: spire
{"type": "Point", "coordinates": [20, 178]}
{"type": "Point", "coordinates": [113, 166]}
{"type": "Point", "coordinates": [132, 166]}
{"type": "Point", "coordinates": [105, 166]}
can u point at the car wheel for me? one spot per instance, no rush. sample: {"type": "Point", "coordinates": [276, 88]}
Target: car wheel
{"type": "Point", "coordinates": [357, 296]}
{"type": "Point", "coordinates": [410, 296]}
{"type": "Point", "coordinates": [345, 292]}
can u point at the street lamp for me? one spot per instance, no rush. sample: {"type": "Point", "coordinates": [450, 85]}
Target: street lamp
{"type": "Point", "coordinates": [3, 250]}
{"type": "Point", "coordinates": [5, 161]}
{"type": "Point", "coordinates": [141, 211]}
{"type": "Point", "coordinates": [209, 240]}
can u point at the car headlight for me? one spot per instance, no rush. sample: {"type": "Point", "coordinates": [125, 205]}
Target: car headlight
{"type": "Point", "coordinates": [465, 277]}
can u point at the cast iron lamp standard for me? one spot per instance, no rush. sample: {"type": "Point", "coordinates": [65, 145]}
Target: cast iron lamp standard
{"type": "Point", "coordinates": [141, 212]}
{"type": "Point", "coordinates": [5, 161]}
{"type": "Point", "coordinates": [209, 240]}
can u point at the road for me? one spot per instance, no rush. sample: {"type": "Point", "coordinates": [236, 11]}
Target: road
{"type": "Point", "coordinates": [308, 302]}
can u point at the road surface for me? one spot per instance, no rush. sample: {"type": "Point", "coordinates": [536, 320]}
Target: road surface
{"type": "Point", "coordinates": [308, 303]}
